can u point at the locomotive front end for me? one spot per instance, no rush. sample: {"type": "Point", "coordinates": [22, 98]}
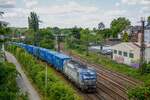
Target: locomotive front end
{"type": "Point", "coordinates": [89, 79]}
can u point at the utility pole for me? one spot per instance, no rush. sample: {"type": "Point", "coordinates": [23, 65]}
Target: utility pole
{"type": "Point", "coordinates": [142, 49]}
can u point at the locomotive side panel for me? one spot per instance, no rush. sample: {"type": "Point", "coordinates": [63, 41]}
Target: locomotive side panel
{"type": "Point", "coordinates": [71, 73]}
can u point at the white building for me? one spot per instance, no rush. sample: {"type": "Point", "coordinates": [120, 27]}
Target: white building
{"type": "Point", "coordinates": [129, 53]}
{"type": "Point", "coordinates": [147, 34]}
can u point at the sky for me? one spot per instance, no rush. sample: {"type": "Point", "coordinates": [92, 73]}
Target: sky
{"type": "Point", "coordinates": [68, 13]}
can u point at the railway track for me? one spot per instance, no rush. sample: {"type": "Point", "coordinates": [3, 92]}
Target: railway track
{"type": "Point", "coordinates": [120, 78]}
{"type": "Point", "coordinates": [110, 85]}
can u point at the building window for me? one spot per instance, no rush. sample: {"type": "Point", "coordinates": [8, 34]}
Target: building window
{"type": "Point", "coordinates": [125, 54]}
{"type": "Point", "coordinates": [115, 51]}
{"type": "Point", "coordinates": [131, 55]}
{"type": "Point", "coordinates": [120, 52]}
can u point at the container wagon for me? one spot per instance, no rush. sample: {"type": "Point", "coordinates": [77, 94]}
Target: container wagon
{"type": "Point", "coordinates": [81, 75]}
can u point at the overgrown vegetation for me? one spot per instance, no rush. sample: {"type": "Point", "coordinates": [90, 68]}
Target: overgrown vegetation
{"type": "Point", "coordinates": [45, 38]}
{"type": "Point", "coordinates": [8, 85]}
{"type": "Point", "coordinates": [140, 93]}
{"type": "Point", "coordinates": [56, 89]}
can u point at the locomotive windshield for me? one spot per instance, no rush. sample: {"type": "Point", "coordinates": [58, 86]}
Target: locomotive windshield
{"type": "Point", "coordinates": [89, 75]}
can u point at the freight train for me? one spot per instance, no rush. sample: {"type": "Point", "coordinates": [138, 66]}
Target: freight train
{"type": "Point", "coordinates": [81, 75]}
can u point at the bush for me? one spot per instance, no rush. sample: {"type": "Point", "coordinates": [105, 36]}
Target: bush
{"type": "Point", "coordinates": [8, 89]}
{"type": "Point", "coordinates": [148, 68]}
{"type": "Point", "coordinates": [56, 89]}
{"type": "Point", "coordinates": [8, 85]}
{"type": "Point", "coordinates": [140, 93]}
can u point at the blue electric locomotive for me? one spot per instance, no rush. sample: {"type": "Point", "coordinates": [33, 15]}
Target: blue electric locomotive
{"type": "Point", "coordinates": [84, 77]}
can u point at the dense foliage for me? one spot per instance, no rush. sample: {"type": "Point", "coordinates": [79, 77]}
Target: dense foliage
{"type": "Point", "coordinates": [46, 38]}
{"type": "Point", "coordinates": [148, 20]}
{"type": "Point", "coordinates": [4, 30]}
{"type": "Point", "coordinates": [125, 37]}
{"type": "Point", "coordinates": [56, 89]}
{"type": "Point", "coordinates": [8, 85]}
{"type": "Point", "coordinates": [118, 25]}
{"type": "Point", "coordinates": [33, 21]}
{"type": "Point", "coordinates": [140, 93]}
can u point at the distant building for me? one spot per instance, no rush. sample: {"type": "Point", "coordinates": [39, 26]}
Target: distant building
{"type": "Point", "coordinates": [147, 34]}
{"type": "Point", "coordinates": [106, 45]}
{"type": "Point", "coordinates": [131, 30]}
{"type": "Point", "coordinates": [134, 33]}
{"type": "Point", "coordinates": [129, 53]}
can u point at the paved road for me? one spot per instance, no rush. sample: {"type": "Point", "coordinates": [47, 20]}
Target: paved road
{"type": "Point", "coordinates": [22, 80]}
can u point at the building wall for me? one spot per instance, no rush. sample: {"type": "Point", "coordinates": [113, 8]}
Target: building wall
{"type": "Point", "coordinates": [147, 36]}
{"type": "Point", "coordinates": [147, 54]}
{"type": "Point", "coordinates": [127, 59]}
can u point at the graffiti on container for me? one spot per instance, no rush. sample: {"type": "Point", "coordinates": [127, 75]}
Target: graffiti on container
{"type": "Point", "coordinates": [135, 64]}
{"type": "Point", "coordinates": [119, 59]}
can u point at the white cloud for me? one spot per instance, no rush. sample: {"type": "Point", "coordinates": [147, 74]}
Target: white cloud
{"type": "Point", "coordinates": [83, 20]}
{"type": "Point", "coordinates": [116, 12]}
{"type": "Point", "coordinates": [7, 3]}
{"type": "Point", "coordinates": [71, 13]}
{"type": "Point", "coordinates": [16, 13]}
{"type": "Point", "coordinates": [145, 9]}
{"type": "Point", "coordinates": [71, 7]}
{"type": "Point", "coordinates": [30, 3]}
{"type": "Point", "coordinates": [117, 4]}
{"type": "Point", "coordinates": [134, 2]}
{"type": "Point", "coordinates": [68, 15]}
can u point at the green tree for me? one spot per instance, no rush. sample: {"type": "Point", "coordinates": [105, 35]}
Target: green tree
{"type": "Point", "coordinates": [148, 20]}
{"type": "Point", "coordinates": [47, 38]}
{"type": "Point", "coordinates": [118, 25]}
{"type": "Point", "coordinates": [106, 33]}
{"type": "Point", "coordinates": [56, 31]}
{"type": "Point", "coordinates": [125, 37]}
{"type": "Point", "coordinates": [101, 26]}
{"type": "Point", "coordinates": [85, 39]}
{"type": "Point", "coordinates": [76, 32]}
{"type": "Point", "coordinates": [94, 29]}
{"type": "Point", "coordinates": [33, 21]}
{"type": "Point", "coordinates": [29, 23]}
